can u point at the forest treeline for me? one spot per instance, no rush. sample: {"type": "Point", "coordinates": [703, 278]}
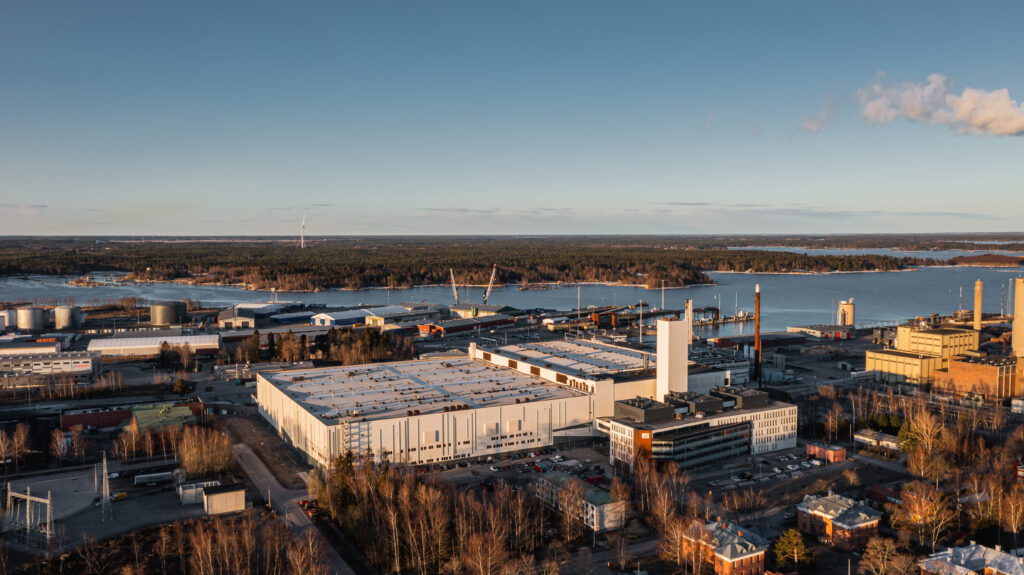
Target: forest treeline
{"type": "Point", "coordinates": [411, 261]}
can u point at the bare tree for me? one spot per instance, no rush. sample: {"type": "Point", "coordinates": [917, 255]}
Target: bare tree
{"type": "Point", "coordinates": [19, 443]}
{"type": "Point", "coordinates": [878, 557]}
{"type": "Point", "coordinates": [1013, 512]}
{"type": "Point", "coordinates": [58, 445]}
{"type": "Point", "coordinates": [570, 505]}
{"type": "Point", "coordinates": [6, 448]}
{"type": "Point", "coordinates": [78, 442]}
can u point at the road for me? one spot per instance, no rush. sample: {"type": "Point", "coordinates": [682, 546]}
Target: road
{"type": "Point", "coordinates": [284, 501]}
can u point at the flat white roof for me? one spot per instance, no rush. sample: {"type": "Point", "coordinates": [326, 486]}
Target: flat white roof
{"type": "Point", "coordinates": [585, 358]}
{"type": "Point", "coordinates": [196, 341]}
{"type": "Point", "coordinates": [362, 312]}
{"type": "Point", "coordinates": [387, 390]}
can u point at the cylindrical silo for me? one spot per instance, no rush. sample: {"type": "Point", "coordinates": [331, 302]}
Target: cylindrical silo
{"type": "Point", "coordinates": [168, 313]}
{"type": "Point", "coordinates": [67, 317]}
{"type": "Point", "coordinates": [8, 318]}
{"type": "Point", "coordinates": [31, 318]}
{"type": "Point", "coordinates": [847, 312]}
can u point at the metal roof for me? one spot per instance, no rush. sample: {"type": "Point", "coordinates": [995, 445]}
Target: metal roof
{"type": "Point", "coordinates": [195, 341]}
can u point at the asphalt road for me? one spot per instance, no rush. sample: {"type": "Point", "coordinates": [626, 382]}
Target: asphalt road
{"type": "Point", "coordinates": [284, 501]}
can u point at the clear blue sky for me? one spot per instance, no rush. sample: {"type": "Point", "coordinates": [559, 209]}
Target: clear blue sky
{"type": "Point", "coordinates": [516, 117]}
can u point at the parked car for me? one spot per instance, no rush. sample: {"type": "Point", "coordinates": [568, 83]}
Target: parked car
{"type": "Point", "coordinates": [776, 470]}
{"type": "Point", "coordinates": [736, 478]}
{"type": "Point", "coordinates": [816, 462]}
{"type": "Point", "coordinates": [494, 468]}
{"type": "Point", "coordinates": [805, 464]}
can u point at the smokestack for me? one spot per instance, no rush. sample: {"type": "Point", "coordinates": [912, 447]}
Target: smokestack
{"type": "Point", "coordinates": [1018, 318]}
{"type": "Point", "coordinates": [757, 334]}
{"type": "Point", "coordinates": [689, 320]}
{"type": "Point", "coordinates": [977, 305]}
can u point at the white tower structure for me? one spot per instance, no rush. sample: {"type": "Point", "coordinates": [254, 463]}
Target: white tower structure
{"type": "Point", "coordinates": [673, 357]}
{"type": "Point", "coordinates": [302, 233]}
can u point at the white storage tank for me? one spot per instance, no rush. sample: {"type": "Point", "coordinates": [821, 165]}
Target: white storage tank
{"type": "Point", "coordinates": [8, 319]}
{"type": "Point", "coordinates": [67, 317]}
{"type": "Point", "coordinates": [31, 318]}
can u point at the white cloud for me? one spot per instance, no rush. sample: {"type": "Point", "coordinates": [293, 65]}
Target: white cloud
{"type": "Point", "coordinates": [821, 119]}
{"type": "Point", "coordinates": [974, 111]}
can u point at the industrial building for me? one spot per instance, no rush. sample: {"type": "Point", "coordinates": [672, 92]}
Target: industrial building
{"type": "Point", "coordinates": [150, 346]}
{"type": "Point", "coordinates": [824, 331]}
{"type": "Point", "coordinates": [990, 378]}
{"type": "Point", "coordinates": [693, 430]}
{"type": "Point", "coordinates": [235, 318]}
{"type": "Point", "coordinates": [920, 352]}
{"type": "Point", "coordinates": [351, 317]}
{"type": "Point", "coordinates": [31, 318]}
{"type": "Point", "coordinates": [597, 510]}
{"type": "Point", "coordinates": [29, 347]}
{"type": "Point", "coordinates": [221, 499]}
{"type": "Point", "coordinates": [456, 326]}
{"type": "Point", "coordinates": [848, 524]}
{"type": "Point", "coordinates": [496, 400]}
{"type": "Point", "coordinates": [468, 310]}
{"type": "Point", "coordinates": [81, 366]}
{"type": "Point", "coordinates": [422, 411]}
{"type": "Point", "coordinates": [385, 318]}
{"type": "Point", "coordinates": [731, 549]}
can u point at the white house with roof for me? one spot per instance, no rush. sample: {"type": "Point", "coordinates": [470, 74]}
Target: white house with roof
{"type": "Point", "coordinates": [972, 559]}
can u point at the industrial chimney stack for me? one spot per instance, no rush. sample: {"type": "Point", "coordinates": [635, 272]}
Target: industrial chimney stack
{"type": "Point", "coordinates": [1018, 319]}
{"type": "Point", "coordinates": [977, 305]}
{"type": "Point", "coordinates": [757, 334]}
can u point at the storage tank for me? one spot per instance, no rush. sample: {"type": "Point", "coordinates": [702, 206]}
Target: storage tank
{"type": "Point", "coordinates": [847, 312]}
{"type": "Point", "coordinates": [31, 318]}
{"type": "Point", "coordinates": [168, 313]}
{"type": "Point", "coordinates": [8, 318]}
{"type": "Point", "coordinates": [67, 317]}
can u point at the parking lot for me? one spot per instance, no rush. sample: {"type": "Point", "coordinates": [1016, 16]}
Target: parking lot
{"type": "Point", "coordinates": [520, 469]}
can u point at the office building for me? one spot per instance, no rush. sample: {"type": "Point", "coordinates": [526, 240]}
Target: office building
{"type": "Point", "coordinates": [846, 523]}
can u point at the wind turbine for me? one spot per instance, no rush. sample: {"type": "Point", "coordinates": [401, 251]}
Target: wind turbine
{"type": "Point", "coordinates": [302, 233]}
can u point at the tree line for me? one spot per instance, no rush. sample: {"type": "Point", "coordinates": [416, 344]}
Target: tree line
{"type": "Point", "coordinates": [410, 261]}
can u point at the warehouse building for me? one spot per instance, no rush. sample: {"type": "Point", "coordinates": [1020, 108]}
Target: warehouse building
{"type": "Point", "coordinates": [150, 346]}
{"type": "Point", "coordinates": [29, 347]}
{"type": "Point", "coordinates": [468, 310]}
{"type": "Point", "coordinates": [80, 365]}
{"type": "Point", "coordinates": [351, 317]}
{"type": "Point", "coordinates": [456, 326]}
{"type": "Point", "coordinates": [422, 411]}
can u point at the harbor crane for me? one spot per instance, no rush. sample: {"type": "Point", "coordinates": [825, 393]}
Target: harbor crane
{"type": "Point", "coordinates": [455, 288]}
{"type": "Point", "coordinates": [490, 284]}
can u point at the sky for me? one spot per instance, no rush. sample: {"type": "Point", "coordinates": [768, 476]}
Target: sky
{"type": "Point", "coordinates": [528, 117]}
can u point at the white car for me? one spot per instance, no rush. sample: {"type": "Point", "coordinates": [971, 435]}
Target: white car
{"type": "Point", "coordinates": [776, 470]}
{"type": "Point", "coordinates": [805, 464]}
{"type": "Point", "coordinates": [816, 462]}
{"type": "Point", "coordinates": [494, 468]}
{"type": "Point", "coordinates": [792, 467]}
{"type": "Point", "coordinates": [735, 478]}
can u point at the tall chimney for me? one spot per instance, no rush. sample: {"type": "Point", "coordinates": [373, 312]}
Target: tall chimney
{"type": "Point", "coordinates": [757, 334]}
{"type": "Point", "coordinates": [689, 320]}
{"type": "Point", "coordinates": [1018, 318]}
{"type": "Point", "coordinates": [977, 305]}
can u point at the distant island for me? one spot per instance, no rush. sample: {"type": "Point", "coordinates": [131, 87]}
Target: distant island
{"type": "Point", "coordinates": [368, 262]}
